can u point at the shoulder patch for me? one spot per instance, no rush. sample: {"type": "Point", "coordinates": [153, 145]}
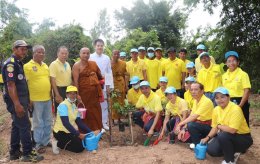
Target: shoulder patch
{"type": "Point", "coordinates": [12, 60]}
{"type": "Point", "coordinates": [10, 68]}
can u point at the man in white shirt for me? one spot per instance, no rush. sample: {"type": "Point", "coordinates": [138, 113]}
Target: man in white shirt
{"type": "Point", "coordinates": [104, 64]}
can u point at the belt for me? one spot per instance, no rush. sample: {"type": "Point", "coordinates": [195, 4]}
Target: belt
{"type": "Point", "coordinates": [208, 122]}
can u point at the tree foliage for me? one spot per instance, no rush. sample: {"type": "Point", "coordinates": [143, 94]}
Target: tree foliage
{"type": "Point", "coordinates": [154, 16]}
{"type": "Point", "coordinates": [239, 30]}
{"type": "Point", "coordinates": [136, 38]}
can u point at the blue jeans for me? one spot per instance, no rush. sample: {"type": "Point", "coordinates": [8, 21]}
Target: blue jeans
{"type": "Point", "coordinates": [42, 121]}
{"type": "Point", "coordinates": [198, 131]}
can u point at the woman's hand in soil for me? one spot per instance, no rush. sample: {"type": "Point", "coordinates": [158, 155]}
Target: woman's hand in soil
{"type": "Point", "coordinates": [181, 134]}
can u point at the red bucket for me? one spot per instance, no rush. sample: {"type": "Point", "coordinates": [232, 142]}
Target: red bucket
{"type": "Point", "coordinates": [82, 111]}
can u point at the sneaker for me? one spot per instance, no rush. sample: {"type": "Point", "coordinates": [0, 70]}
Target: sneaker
{"type": "Point", "coordinates": [224, 162]}
{"type": "Point", "coordinates": [105, 126]}
{"type": "Point", "coordinates": [236, 156]}
{"type": "Point", "coordinates": [15, 156]}
{"type": "Point", "coordinates": [192, 146]}
{"type": "Point", "coordinates": [32, 157]}
{"type": "Point", "coordinates": [55, 148]}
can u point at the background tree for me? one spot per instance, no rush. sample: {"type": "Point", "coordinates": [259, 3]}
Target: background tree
{"type": "Point", "coordinates": [237, 30]}
{"type": "Point", "coordinates": [157, 16]}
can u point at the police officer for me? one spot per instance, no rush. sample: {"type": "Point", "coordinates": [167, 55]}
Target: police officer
{"type": "Point", "coordinates": [16, 97]}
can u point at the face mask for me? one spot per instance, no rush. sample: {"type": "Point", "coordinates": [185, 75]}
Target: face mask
{"type": "Point", "coordinates": [71, 101]}
{"type": "Point", "coordinates": [136, 86]}
{"type": "Point", "coordinates": [150, 54]}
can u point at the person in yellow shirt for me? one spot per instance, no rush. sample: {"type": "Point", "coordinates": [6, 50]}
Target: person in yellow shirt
{"type": "Point", "coordinates": [154, 71]}
{"type": "Point", "coordinates": [191, 71]}
{"type": "Point", "coordinates": [160, 92]}
{"type": "Point", "coordinates": [142, 53]}
{"type": "Point", "coordinates": [148, 117]}
{"type": "Point", "coordinates": [174, 69]}
{"type": "Point", "coordinates": [199, 120]}
{"type": "Point", "coordinates": [187, 95]}
{"type": "Point", "coordinates": [67, 119]}
{"type": "Point", "coordinates": [230, 133]}
{"type": "Point", "coordinates": [237, 82]}
{"type": "Point", "coordinates": [183, 55]}
{"type": "Point", "coordinates": [136, 67]}
{"type": "Point", "coordinates": [134, 93]}
{"type": "Point", "coordinates": [201, 48]}
{"type": "Point", "coordinates": [159, 55]}
{"type": "Point", "coordinates": [210, 75]}
{"type": "Point", "coordinates": [176, 109]}
{"type": "Point", "coordinates": [38, 79]}
{"type": "Point", "coordinates": [60, 73]}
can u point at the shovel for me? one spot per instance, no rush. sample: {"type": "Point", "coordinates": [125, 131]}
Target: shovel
{"type": "Point", "coordinates": [156, 141]}
{"type": "Point", "coordinates": [147, 141]}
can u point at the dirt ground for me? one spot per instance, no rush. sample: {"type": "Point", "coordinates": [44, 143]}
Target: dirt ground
{"type": "Point", "coordinates": [121, 152]}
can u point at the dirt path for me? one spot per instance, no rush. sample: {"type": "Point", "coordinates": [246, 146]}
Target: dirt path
{"type": "Point", "coordinates": [161, 153]}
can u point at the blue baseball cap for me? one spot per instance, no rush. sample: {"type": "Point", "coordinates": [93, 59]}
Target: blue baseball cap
{"type": "Point", "coordinates": [170, 90]}
{"type": "Point", "coordinates": [221, 90]}
{"type": "Point", "coordinates": [201, 47]}
{"type": "Point", "coordinates": [190, 78]}
{"type": "Point", "coordinates": [190, 65]}
{"type": "Point", "coordinates": [122, 54]}
{"type": "Point", "coordinates": [134, 80]}
{"type": "Point", "coordinates": [163, 79]}
{"type": "Point", "coordinates": [158, 49]}
{"type": "Point", "coordinates": [144, 83]}
{"type": "Point", "coordinates": [141, 48]}
{"type": "Point", "coordinates": [204, 54]}
{"type": "Point", "coordinates": [150, 49]}
{"type": "Point", "coordinates": [133, 50]}
{"type": "Point", "coordinates": [231, 53]}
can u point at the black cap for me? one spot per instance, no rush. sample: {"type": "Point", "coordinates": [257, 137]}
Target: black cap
{"type": "Point", "coordinates": [171, 49]}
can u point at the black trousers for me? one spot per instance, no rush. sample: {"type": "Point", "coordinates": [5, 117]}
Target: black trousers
{"type": "Point", "coordinates": [228, 144]}
{"type": "Point", "coordinates": [245, 107]}
{"type": "Point", "coordinates": [62, 92]}
{"type": "Point", "coordinates": [68, 142]}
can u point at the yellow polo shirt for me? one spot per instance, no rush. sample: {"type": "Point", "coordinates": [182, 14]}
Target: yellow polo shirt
{"type": "Point", "coordinates": [133, 96]}
{"type": "Point", "coordinates": [153, 72]}
{"type": "Point", "coordinates": [161, 60]}
{"type": "Point", "coordinates": [236, 82]}
{"type": "Point", "coordinates": [150, 104]}
{"type": "Point", "coordinates": [173, 71]}
{"type": "Point", "coordinates": [61, 72]}
{"type": "Point", "coordinates": [232, 116]}
{"type": "Point", "coordinates": [188, 97]}
{"type": "Point", "coordinates": [38, 79]}
{"type": "Point", "coordinates": [186, 62]}
{"type": "Point", "coordinates": [198, 65]}
{"type": "Point", "coordinates": [136, 68]}
{"type": "Point", "coordinates": [211, 78]}
{"type": "Point", "coordinates": [177, 108]}
{"type": "Point", "coordinates": [1, 78]}
{"type": "Point", "coordinates": [203, 108]}
{"type": "Point", "coordinates": [161, 94]}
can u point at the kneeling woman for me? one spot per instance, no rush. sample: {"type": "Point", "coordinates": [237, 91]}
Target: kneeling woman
{"type": "Point", "coordinates": [177, 109]}
{"type": "Point", "coordinates": [230, 132]}
{"type": "Point", "coordinates": [67, 118]}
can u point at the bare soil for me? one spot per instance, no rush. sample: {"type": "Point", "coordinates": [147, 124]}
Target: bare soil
{"type": "Point", "coordinates": [122, 152]}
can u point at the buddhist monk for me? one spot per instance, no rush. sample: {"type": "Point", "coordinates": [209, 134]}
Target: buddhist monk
{"type": "Point", "coordinates": [120, 84]}
{"type": "Point", "coordinates": [86, 77]}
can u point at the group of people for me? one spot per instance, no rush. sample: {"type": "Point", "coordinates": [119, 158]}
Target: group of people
{"type": "Point", "coordinates": [195, 102]}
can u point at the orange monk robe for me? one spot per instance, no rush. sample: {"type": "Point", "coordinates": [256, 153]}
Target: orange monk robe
{"type": "Point", "coordinates": [119, 71]}
{"type": "Point", "coordinates": [90, 91]}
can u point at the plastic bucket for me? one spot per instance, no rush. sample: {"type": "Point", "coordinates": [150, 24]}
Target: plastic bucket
{"type": "Point", "coordinates": [82, 111]}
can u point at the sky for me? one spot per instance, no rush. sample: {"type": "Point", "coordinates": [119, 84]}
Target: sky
{"type": "Point", "coordinates": [86, 12]}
